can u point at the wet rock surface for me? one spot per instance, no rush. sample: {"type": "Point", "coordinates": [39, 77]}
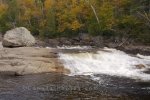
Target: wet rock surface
{"type": "Point", "coordinates": [1, 46]}
{"type": "Point", "coordinates": [145, 50]}
{"type": "Point", "coordinates": [29, 60]}
{"type": "Point", "coordinates": [54, 86]}
{"type": "Point", "coordinates": [97, 42]}
{"type": "Point", "coordinates": [57, 86]}
{"type": "Point", "coordinates": [140, 66]}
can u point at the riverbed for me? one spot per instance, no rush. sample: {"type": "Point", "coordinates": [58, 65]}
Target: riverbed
{"type": "Point", "coordinates": [101, 74]}
{"type": "Point", "coordinates": [52, 86]}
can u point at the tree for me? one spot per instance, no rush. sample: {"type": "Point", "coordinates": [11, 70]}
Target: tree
{"type": "Point", "coordinates": [49, 18]}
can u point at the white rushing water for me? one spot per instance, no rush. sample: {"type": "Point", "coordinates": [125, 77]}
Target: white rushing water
{"type": "Point", "coordinates": [74, 47]}
{"type": "Point", "coordinates": [107, 61]}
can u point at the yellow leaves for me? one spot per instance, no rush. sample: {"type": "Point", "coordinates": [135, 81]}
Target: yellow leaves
{"type": "Point", "coordinates": [26, 3]}
{"type": "Point", "coordinates": [68, 15]}
{"type": "Point", "coordinates": [42, 23]}
{"type": "Point", "coordinates": [65, 14]}
{"type": "Point", "coordinates": [3, 8]}
{"type": "Point", "coordinates": [76, 10]}
{"type": "Point", "coordinates": [106, 15]}
{"type": "Point", "coordinates": [129, 19]}
{"type": "Point", "coordinates": [48, 4]}
{"type": "Point", "coordinates": [62, 27]}
{"type": "Point", "coordinates": [121, 3]}
{"type": "Point", "coordinates": [27, 15]}
{"type": "Point", "coordinates": [28, 9]}
{"type": "Point", "coordinates": [75, 25]}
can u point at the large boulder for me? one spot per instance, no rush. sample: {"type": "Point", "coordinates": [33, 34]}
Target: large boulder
{"type": "Point", "coordinates": [18, 37]}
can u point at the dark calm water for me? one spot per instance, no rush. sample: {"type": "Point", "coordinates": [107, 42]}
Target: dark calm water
{"type": "Point", "coordinates": [54, 86]}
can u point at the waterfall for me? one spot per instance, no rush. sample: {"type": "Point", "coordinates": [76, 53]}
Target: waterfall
{"type": "Point", "coordinates": [107, 61]}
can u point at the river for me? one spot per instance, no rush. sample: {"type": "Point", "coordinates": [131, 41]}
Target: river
{"type": "Point", "coordinates": [96, 74]}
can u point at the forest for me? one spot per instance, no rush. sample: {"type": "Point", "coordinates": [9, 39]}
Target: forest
{"type": "Point", "coordinates": [68, 18]}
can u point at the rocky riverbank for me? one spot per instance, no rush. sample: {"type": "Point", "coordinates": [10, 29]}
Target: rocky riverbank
{"type": "Point", "coordinates": [30, 60]}
{"type": "Point", "coordinates": [22, 59]}
{"type": "Point", "coordinates": [24, 39]}
{"type": "Point", "coordinates": [129, 46]}
{"type": "Point", "coordinates": [46, 79]}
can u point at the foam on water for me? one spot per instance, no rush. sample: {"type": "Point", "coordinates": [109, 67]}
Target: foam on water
{"type": "Point", "coordinates": [74, 47]}
{"type": "Point", "coordinates": [143, 57]}
{"type": "Point", "coordinates": [107, 61]}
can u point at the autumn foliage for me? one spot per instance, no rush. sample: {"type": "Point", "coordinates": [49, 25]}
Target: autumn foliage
{"type": "Point", "coordinates": [51, 18]}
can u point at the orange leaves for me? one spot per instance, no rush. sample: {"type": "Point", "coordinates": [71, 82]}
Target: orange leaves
{"type": "Point", "coordinates": [3, 8]}
{"type": "Point", "coordinates": [68, 15]}
{"type": "Point", "coordinates": [76, 10]}
{"type": "Point", "coordinates": [75, 25]}
{"type": "Point", "coordinates": [121, 3]}
{"type": "Point", "coordinates": [48, 4]}
{"type": "Point", "coordinates": [28, 9]}
{"type": "Point", "coordinates": [64, 14]}
{"type": "Point", "coordinates": [26, 3]}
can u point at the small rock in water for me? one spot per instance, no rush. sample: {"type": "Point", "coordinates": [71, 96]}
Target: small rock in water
{"type": "Point", "coordinates": [140, 66]}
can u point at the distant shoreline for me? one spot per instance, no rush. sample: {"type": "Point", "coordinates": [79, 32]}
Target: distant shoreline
{"type": "Point", "coordinates": [128, 48]}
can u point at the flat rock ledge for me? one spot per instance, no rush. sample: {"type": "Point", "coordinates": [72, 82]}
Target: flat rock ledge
{"type": "Point", "coordinates": [30, 60]}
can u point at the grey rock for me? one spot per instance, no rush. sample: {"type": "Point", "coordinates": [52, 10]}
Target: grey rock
{"type": "Point", "coordinates": [85, 37]}
{"type": "Point", "coordinates": [1, 46]}
{"type": "Point", "coordinates": [30, 60]}
{"type": "Point", "coordinates": [97, 41]}
{"type": "Point", "coordinates": [18, 37]}
{"type": "Point", "coordinates": [140, 66]}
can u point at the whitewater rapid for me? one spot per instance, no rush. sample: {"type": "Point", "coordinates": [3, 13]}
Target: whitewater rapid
{"type": "Point", "coordinates": [106, 61]}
